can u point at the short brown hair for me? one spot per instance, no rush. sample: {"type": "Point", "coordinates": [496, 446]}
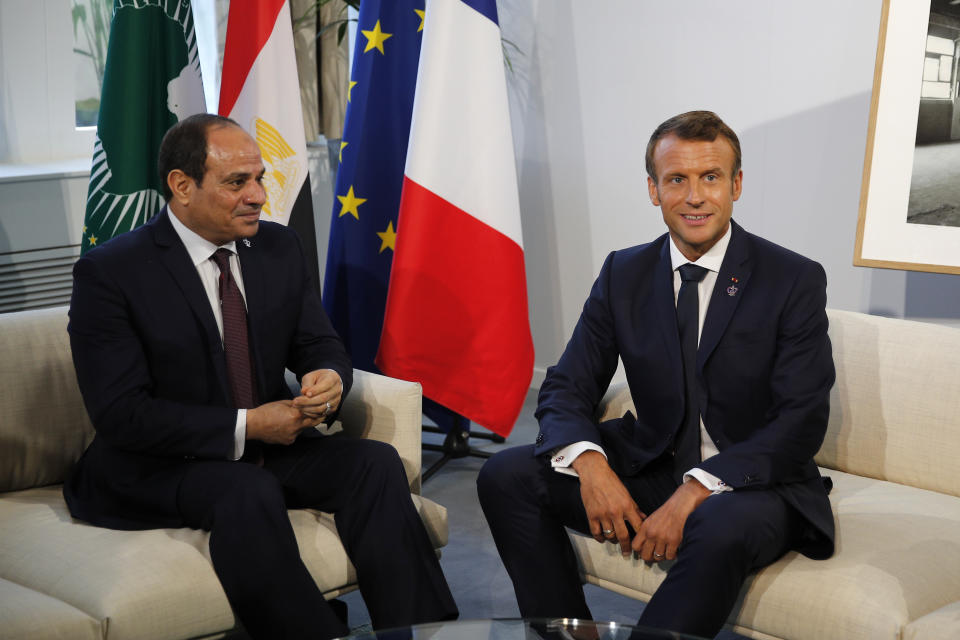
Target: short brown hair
{"type": "Point", "coordinates": [693, 125]}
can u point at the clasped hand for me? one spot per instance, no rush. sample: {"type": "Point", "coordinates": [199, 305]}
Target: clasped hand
{"type": "Point", "coordinates": [609, 508]}
{"type": "Point", "coordinates": [281, 421]}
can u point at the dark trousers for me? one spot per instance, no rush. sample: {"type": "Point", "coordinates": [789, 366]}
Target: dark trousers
{"type": "Point", "coordinates": [255, 553]}
{"type": "Point", "coordinates": [528, 505]}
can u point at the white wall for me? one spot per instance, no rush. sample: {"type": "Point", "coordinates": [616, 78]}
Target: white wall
{"type": "Point", "coordinates": [793, 79]}
{"type": "Point", "coordinates": [37, 77]}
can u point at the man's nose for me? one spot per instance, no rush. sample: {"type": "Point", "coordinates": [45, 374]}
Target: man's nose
{"type": "Point", "coordinates": [255, 194]}
{"type": "Point", "coordinates": [693, 194]}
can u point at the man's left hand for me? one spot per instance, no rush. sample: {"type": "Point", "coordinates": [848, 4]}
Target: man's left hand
{"type": "Point", "coordinates": [660, 534]}
{"type": "Point", "coordinates": [320, 393]}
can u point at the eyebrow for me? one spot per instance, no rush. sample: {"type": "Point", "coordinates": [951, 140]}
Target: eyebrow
{"type": "Point", "coordinates": [230, 177]}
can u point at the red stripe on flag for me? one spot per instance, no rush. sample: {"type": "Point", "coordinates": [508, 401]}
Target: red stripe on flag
{"type": "Point", "coordinates": [456, 318]}
{"type": "Point", "coordinates": [248, 29]}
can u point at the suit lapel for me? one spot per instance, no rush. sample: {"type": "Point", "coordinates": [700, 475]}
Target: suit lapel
{"type": "Point", "coordinates": [254, 288]}
{"type": "Point", "coordinates": [729, 289]}
{"type": "Point", "coordinates": [174, 257]}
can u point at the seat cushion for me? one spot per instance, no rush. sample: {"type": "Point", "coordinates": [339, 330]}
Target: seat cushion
{"type": "Point", "coordinates": [897, 560]}
{"type": "Point", "coordinates": [28, 614]}
{"type": "Point", "coordinates": [147, 584]}
{"type": "Point", "coordinates": [942, 624]}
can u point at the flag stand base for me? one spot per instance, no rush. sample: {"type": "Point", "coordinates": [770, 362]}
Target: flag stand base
{"type": "Point", "coordinates": [456, 445]}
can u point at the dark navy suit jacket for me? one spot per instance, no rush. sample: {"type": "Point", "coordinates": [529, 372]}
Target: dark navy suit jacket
{"type": "Point", "coordinates": [152, 370]}
{"type": "Point", "coordinates": [764, 367]}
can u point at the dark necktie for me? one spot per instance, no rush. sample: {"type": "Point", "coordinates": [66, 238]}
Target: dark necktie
{"type": "Point", "coordinates": [687, 445]}
{"type": "Point", "coordinates": [236, 344]}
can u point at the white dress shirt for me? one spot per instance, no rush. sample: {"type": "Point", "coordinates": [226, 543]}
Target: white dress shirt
{"type": "Point", "coordinates": [562, 459]}
{"type": "Point", "coordinates": [200, 251]}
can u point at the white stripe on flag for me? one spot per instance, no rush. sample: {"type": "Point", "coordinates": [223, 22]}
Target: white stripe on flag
{"type": "Point", "coordinates": [272, 93]}
{"type": "Point", "coordinates": [461, 105]}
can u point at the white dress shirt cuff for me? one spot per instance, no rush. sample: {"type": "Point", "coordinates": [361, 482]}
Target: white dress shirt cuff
{"type": "Point", "coordinates": [563, 457]}
{"type": "Point", "coordinates": [710, 481]}
{"type": "Point", "coordinates": [239, 434]}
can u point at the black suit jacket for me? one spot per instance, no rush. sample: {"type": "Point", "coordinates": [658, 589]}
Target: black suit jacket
{"type": "Point", "coordinates": [152, 370]}
{"type": "Point", "coordinates": [764, 365]}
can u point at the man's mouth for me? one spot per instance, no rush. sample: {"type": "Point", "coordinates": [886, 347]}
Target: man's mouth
{"type": "Point", "coordinates": [695, 217]}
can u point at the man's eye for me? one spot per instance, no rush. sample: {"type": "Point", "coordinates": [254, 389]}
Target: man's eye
{"type": "Point", "coordinates": [676, 179]}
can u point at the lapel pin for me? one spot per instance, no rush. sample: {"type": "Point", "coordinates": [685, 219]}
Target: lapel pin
{"type": "Point", "coordinates": [732, 289]}
{"type": "Point", "coordinates": [246, 243]}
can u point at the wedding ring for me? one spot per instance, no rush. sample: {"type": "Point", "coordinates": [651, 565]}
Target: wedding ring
{"type": "Point", "coordinates": [607, 532]}
{"type": "Point", "coordinates": [657, 555]}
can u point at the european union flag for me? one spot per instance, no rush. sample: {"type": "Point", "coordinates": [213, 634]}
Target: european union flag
{"type": "Point", "coordinates": [373, 152]}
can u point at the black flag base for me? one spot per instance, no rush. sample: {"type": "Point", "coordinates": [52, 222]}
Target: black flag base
{"type": "Point", "coordinates": [456, 444]}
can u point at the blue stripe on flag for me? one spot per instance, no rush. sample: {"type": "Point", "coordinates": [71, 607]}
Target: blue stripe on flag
{"type": "Point", "coordinates": [376, 133]}
{"type": "Point", "coordinates": [486, 7]}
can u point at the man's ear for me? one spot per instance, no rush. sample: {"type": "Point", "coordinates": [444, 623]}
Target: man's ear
{"type": "Point", "coordinates": [652, 188]}
{"type": "Point", "coordinates": [181, 185]}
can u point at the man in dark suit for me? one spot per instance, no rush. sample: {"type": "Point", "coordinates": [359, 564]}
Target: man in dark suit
{"type": "Point", "coordinates": [181, 331]}
{"type": "Point", "coordinates": [723, 338]}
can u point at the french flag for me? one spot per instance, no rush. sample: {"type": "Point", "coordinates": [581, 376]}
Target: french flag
{"type": "Point", "coordinates": [260, 90]}
{"type": "Point", "coordinates": [456, 316]}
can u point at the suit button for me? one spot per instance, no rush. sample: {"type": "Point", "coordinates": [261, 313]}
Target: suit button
{"type": "Point", "coordinates": [539, 438]}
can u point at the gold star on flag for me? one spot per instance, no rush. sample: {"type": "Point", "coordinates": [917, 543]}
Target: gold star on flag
{"type": "Point", "coordinates": [350, 203]}
{"type": "Point", "coordinates": [420, 13]}
{"type": "Point", "coordinates": [93, 240]}
{"type": "Point", "coordinates": [375, 38]}
{"type": "Point", "coordinates": [353, 83]}
{"type": "Point", "coordinates": [388, 238]}
{"type": "Point", "coordinates": [342, 145]}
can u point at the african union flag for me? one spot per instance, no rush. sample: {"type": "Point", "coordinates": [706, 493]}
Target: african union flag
{"type": "Point", "coordinates": [151, 80]}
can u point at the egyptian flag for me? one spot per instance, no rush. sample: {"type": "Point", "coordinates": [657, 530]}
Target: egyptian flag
{"type": "Point", "coordinates": [259, 89]}
{"type": "Point", "coordinates": [456, 316]}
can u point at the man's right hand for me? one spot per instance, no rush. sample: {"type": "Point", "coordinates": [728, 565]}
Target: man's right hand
{"type": "Point", "coordinates": [277, 422]}
{"type": "Point", "coordinates": [606, 500]}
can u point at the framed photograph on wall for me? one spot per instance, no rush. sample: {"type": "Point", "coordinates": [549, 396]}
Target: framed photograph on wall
{"type": "Point", "coordinates": [910, 195]}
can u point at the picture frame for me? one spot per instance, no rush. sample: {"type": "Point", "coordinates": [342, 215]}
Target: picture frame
{"type": "Point", "coordinates": [885, 238]}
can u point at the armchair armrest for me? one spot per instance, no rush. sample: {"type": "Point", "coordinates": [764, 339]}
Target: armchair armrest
{"type": "Point", "coordinates": [388, 410]}
{"type": "Point", "coordinates": [616, 402]}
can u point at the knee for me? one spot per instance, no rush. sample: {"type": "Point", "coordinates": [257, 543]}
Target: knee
{"type": "Point", "coordinates": [380, 463]}
{"type": "Point", "coordinates": [504, 473]}
{"type": "Point", "coordinates": [714, 533]}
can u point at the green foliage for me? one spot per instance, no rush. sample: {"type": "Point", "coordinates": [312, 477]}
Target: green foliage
{"type": "Point", "coordinates": [91, 31]}
{"type": "Point", "coordinates": [340, 23]}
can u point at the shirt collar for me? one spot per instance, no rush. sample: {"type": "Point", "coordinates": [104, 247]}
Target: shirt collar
{"type": "Point", "coordinates": [711, 260]}
{"type": "Point", "coordinates": [200, 249]}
